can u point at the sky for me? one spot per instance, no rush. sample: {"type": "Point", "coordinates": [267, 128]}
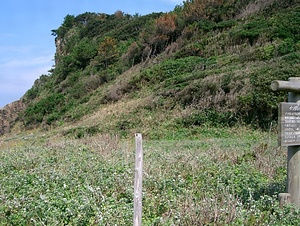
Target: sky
{"type": "Point", "coordinates": [27, 47]}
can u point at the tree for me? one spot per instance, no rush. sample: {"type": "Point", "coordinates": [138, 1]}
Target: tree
{"type": "Point", "coordinates": [119, 14]}
{"type": "Point", "coordinates": [133, 54]}
{"type": "Point", "coordinates": [158, 34]}
{"type": "Point", "coordinates": [83, 52]}
{"type": "Point", "coordinates": [166, 24]}
{"type": "Point", "coordinates": [165, 27]}
{"type": "Point", "coordinates": [65, 27]}
{"type": "Point", "coordinates": [107, 52]}
{"type": "Point", "coordinates": [194, 10]}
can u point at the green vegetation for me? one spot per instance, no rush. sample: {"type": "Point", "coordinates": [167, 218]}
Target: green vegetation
{"type": "Point", "coordinates": [217, 63]}
{"type": "Point", "coordinates": [195, 82]}
{"type": "Point", "coordinates": [223, 177]}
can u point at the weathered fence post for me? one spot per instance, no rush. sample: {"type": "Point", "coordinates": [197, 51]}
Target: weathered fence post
{"type": "Point", "coordinates": [284, 199]}
{"type": "Point", "coordinates": [137, 216]}
{"type": "Point", "coordinates": [289, 135]}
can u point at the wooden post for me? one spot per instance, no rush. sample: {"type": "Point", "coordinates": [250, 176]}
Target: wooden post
{"type": "Point", "coordinates": [293, 85]}
{"type": "Point", "coordinates": [137, 216]}
{"type": "Point", "coordinates": [293, 158]}
{"type": "Point", "coordinates": [284, 199]}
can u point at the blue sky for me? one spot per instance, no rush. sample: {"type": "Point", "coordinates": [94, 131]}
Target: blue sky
{"type": "Point", "coordinates": [26, 45]}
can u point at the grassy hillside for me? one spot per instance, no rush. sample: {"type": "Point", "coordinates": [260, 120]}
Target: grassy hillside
{"type": "Point", "coordinates": [186, 68]}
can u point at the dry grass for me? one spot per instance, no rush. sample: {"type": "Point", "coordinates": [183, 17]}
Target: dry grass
{"type": "Point", "coordinates": [255, 7]}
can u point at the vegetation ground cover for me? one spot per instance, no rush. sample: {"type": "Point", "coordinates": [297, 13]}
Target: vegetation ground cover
{"type": "Point", "coordinates": [193, 81]}
{"type": "Point", "coordinates": [232, 179]}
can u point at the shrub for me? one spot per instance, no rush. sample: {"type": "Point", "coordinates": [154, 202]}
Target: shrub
{"type": "Point", "coordinates": [133, 55]}
{"type": "Point", "coordinates": [285, 47]}
{"type": "Point", "coordinates": [249, 31]}
{"type": "Point", "coordinates": [209, 117]}
{"type": "Point", "coordinates": [35, 113]}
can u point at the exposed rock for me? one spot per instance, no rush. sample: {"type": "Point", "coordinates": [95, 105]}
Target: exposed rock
{"type": "Point", "coordinates": [9, 115]}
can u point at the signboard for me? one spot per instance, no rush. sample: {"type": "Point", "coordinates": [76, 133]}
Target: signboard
{"type": "Point", "coordinates": [289, 124]}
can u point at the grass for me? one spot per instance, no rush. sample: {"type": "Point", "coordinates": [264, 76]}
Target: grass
{"type": "Point", "coordinates": [230, 179]}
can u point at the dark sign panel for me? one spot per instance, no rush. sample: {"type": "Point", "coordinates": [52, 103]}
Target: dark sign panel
{"type": "Point", "coordinates": [289, 124]}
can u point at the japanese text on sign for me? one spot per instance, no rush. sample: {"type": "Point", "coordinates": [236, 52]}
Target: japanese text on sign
{"type": "Point", "coordinates": [289, 124]}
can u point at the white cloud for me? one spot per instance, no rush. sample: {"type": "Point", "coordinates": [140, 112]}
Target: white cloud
{"type": "Point", "coordinates": [18, 75]}
{"type": "Point", "coordinates": [25, 62]}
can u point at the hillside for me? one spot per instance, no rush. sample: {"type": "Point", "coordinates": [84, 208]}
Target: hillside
{"type": "Point", "coordinates": [205, 63]}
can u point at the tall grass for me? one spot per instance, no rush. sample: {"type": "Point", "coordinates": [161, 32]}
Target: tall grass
{"type": "Point", "coordinates": [233, 179]}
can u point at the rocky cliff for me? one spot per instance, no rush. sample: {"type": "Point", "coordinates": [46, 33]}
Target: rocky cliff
{"type": "Point", "coordinates": [9, 115]}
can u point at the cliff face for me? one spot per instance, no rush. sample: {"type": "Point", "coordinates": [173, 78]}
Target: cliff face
{"type": "Point", "coordinates": [60, 49]}
{"type": "Point", "coordinates": [9, 115]}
